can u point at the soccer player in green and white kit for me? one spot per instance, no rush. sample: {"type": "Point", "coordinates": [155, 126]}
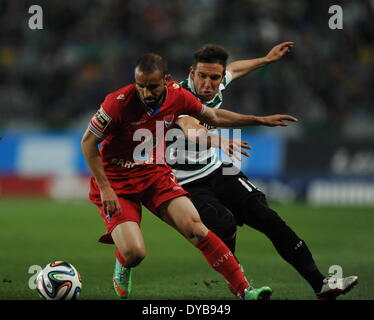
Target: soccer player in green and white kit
{"type": "Point", "coordinates": [225, 201]}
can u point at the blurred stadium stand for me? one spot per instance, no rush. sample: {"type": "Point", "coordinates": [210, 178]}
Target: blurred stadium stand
{"type": "Point", "coordinates": [53, 80]}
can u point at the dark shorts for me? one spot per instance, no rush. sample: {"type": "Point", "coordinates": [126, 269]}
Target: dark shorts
{"type": "Point", "coordinates": [228, 194]}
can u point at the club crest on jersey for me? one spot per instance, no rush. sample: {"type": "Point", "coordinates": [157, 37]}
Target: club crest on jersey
{"type": "Point", "coordinates": [121, 97]}
{"type": "Point", "coordinates": [168, 120]}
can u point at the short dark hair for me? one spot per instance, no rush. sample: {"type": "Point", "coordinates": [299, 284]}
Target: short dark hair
{"type": "Point", "coordinates": [151, 62]}
{"type": "Point", "coordinates": [211, 53]}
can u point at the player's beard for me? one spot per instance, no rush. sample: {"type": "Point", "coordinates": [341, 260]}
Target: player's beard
{"type": "Point", "coordinates": [154, 103]}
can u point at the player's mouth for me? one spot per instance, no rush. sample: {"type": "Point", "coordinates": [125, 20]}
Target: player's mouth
{"type": "Point", "coordinates": [207, 95]}
{"type": "Point", "coordinates": [150, 100]}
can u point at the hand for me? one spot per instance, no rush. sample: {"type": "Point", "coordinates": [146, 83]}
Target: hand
{"type": "Point", "coordinates": [233, 148]}
{"type": "Point", "coordinates": [279, 51]}
{"type": "Point", "coordinates": [277, 120]}
{"type": "Point", "coordinates": [110, 201]}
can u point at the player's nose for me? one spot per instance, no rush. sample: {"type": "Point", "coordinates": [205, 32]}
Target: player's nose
{"type": "Point", "coordinates": [207, 84]}
{"type": "Point", "coordinates": [146, 93]}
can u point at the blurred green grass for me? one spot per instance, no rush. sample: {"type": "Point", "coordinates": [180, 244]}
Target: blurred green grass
{"type": "Point", "coordinates": [37, 231]}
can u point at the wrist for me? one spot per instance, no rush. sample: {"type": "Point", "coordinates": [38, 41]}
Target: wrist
{"type": "Point", "coordinates": [104, 185]}
{"type": "Point", "coordinates": [266, 60]}
{"type": "Point", "coordinates": [261, 121]}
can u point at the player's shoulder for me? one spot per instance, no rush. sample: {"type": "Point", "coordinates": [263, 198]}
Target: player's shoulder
{"type": "Point", "coordinates": [184, 84]}
{"type": "Point", "coordinates": [116, 101]}
{"type": "Point", "coordinates": [175, 91]}
{"type": "Point", "coordinates": [174, 86]}
{"type": "Point", "coordinates": [122, 94]}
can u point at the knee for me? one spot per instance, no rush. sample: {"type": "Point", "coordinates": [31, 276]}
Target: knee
{"type": "Point", "coordinates": [194, 230]}
{"type": "Point", "coordinates": [266, 220]}
{"type": "Point", "coordinates": [133, 256]}
{"type": "Point", "coordinates": [225, 230]}
{"type": "Point", "coordinates": [219, 219]}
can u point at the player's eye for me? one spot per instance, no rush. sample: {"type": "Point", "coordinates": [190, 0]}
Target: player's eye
{"type": "Point", "coordinates": [215, 77]}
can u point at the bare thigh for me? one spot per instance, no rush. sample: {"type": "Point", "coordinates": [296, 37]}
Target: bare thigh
{"type": "Point", "coordinates": [182, 215]}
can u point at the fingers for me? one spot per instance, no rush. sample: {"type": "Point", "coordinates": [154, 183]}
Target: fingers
{"type": "Point", "coordinates": [235, 156]}
{"type": "Point", "coordinates": [285, 47]}
{"type": "Point", "coordinates": [287, 44]}
{"type": "Point", "coordinates": [282, 124]}
{"type": "Point", "coordinates": [108, 208]}
{"type": "Point", "coordinates": [244, 153]}
{"type": "Point", "coordinates": [241, 144]}
{"type": "Point", "coordinates": [245, 145]}
{"type": "Point", "coordinates": [284, 50]}
{"type": "Point", "coordinates": [289, 118]}
{"type": "Point", "coordinates": [236, 148]}
{"type": "Point", "coordinates": [281, 117]}
{"type": "Point", "coordinates": [111, 207]}
{"type": "Point", "coordinates": [279, 120]}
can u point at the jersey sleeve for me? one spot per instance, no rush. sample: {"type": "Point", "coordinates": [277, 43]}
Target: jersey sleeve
{"type": "Point", "coordinates": [104, 119]}
{"type": "Point", "coordinates": [192, 105]}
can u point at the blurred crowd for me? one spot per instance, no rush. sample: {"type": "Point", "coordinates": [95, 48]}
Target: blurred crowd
{"type": "Point", "coordinates": [56, 78]}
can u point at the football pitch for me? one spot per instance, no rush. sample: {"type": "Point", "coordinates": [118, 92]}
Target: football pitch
{"type": "Point", "coordinates": [36, 232]}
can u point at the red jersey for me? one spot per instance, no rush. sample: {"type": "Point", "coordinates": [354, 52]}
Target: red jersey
{"type": "Point", "coordinates": [123, 122]}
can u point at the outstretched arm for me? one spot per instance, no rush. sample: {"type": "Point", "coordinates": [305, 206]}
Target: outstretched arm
{"type": "Point", "coordinates": [240, 68]}
{"type": "Point", "coordinates": [197, 133]}
{"type": "Point", "coordinates": [226, 119]}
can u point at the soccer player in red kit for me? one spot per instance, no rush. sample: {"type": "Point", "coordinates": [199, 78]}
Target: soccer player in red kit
{"type": "Point", "coordinates": [124, 179]}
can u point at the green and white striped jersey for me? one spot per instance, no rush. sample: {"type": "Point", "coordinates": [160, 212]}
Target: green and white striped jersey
{"type": "Point", "coordinates": [191, 161]}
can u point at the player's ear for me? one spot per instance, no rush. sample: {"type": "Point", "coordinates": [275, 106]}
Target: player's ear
{"type": "Point", "coordinates": [191, 70]}
{"type": "Point", "coordinates": [167, 77]}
